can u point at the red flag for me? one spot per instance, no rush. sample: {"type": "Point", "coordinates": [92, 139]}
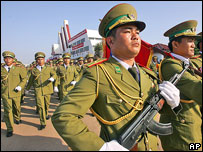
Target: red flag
{"type": "Point", "coordinates": [144, 57]}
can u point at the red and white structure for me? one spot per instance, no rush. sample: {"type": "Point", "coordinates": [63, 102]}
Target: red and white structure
{"type": "Point", "coordinates": [78, 46]}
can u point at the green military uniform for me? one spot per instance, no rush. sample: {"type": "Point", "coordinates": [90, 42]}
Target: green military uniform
{"type": "Point", "coordinates": [187, 124]}
{"type": "Point", "coordinates": [19, 64]}
{"type": "Point", "coordinates": [79, 67]}
{"type": "Point", "coordinates": [10, 97]}
{"type": "Point", "coordinates": [43, 87]}
{"type": "Point", "coordinates": [197, 61]}
{"type": "Point", "coordinates": [65, 76]}
{"type": "Point", "coordinates": [154, 65]}
{"type": "Point", "coordinates": [84, 95]}
{"type": "Point", "coordinates": [111, 93]}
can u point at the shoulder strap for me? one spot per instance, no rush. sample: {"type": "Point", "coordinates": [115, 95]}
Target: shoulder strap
{"type": "Point", "coordinates": [99, 61]}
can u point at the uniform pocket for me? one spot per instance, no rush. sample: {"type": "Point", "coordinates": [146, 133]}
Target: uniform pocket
{"type": "Point", "coordinates": [113, 100]}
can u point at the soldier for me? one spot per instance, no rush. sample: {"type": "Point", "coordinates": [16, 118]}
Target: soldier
{"type": "Point", "coordinates": [79, 67]}
{"type": "Point", "coordinates": [13, 79]}
{"type": "Point", "coordinates": [85, 61]}
{"type": "Point", "coordinates": [60, 61]}
{"type": "Point", "coordinates": [42, 78]}
{"type": "Point", "coordinates": [90, 58]}
{"type": "Point", "coordinates": [197, 59]}
{"type": "Point", "coordinates": [110, 91]}
{"type": "Point", "coordinates": [66, 76]}
{"type": "Point", "coordinates": [154, 64]}
{"type": "Point", "coordinates": [187, 124]}
{"type": "Point", "coordinates": [71, 62]}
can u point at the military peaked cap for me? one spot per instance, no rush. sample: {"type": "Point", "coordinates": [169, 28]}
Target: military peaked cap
{"type": "Point", "coordinates": [39, 55]}
{"type": "Point", "coordinates": [119, 15]}
{"type": "Point", "coordinates": [66, 55]}
{"type": "Point", "coordinates": [187, 28]}
{"type": "Point", "coordinates": [8, 54]}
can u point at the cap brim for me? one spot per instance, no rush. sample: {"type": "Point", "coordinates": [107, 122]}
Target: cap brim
{"type": "Point", "coordinates": [139, 24]}
{"type": "Point", "coordinates": [9, 56]}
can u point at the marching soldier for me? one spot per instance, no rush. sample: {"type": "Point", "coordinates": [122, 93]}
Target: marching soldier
{"type": "Point", "coordinates": [79, 67]}
{"type": "Point", "coordinates": [197, 59]}
{"type": "Point", "coordinates": [60, 61]}
{"type": "Point", "coordinates": [90, 58]}
{"type": "Point", "coordinates": [71, 62]}
{"type": "Point", "coordinates": [42, 78]}
{"type": "Point", "coordinates": [13, 79]}
{"type": "Point", "coordinates": [187, 124]}
{"type": "Point", "coordinates": [154, 64]}
{"type": "Point", "coordinates": [110, 91]}
{"type": "Point", "coordinates": [66, 76]}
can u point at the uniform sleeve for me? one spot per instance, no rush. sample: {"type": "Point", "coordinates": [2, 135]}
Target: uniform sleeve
{"type": "Point", "coordinates": [53, 73]}
{"type": "Point", "coordinates": [67, 117]}
{"type": "Point", "coordinates": [30, 81]}
{"type": "Point", "coordinates": [189, 85]}
{"type": "Point", "coordinates": [23, 77]}
{"type": "Point", "coordinates": [57, 81]}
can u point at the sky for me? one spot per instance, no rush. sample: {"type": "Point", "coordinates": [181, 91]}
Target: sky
{"type": "Point", "coordinates": [28, 27]}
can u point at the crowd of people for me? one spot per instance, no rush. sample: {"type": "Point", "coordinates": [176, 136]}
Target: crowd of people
{"type": "Point", "coordinates": [114, 89]}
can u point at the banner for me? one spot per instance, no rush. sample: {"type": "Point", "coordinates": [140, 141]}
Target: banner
{"type": "Point", "coordinates": [144, 57]}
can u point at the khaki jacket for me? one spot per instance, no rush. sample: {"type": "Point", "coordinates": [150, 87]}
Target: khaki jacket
{"type": "Point", "coordinates": [106, 102]}
{"type": "Point", "coordinates": [39, 79]}
{"type": "Point", "coordinates": [65, 77]}
{"type": "Point", "coordinates": [187, 124]}
{"type": "Point", "coordinates": [17, 76]}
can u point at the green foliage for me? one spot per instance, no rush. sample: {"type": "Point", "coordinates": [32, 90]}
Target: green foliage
{"type": "Point", "coordinates": [98, 49]}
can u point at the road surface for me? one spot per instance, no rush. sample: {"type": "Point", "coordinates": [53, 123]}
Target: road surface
{"type": "Point", "coordinates": [27, 137]}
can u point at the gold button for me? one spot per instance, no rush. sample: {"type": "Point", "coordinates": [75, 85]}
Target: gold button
{"type": "Point", "coordinates": [182, 121]}
{"type": "Point", "coordinates": [142, 94]}
{"type": "Point", "coordinates": [120, 100]}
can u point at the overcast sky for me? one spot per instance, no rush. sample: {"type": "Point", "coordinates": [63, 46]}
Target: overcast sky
{"type": "Point", "coordinates": [31, 26]}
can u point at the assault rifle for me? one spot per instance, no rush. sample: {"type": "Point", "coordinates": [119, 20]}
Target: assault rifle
{"type": "Point", "coordinates": [144, 122]}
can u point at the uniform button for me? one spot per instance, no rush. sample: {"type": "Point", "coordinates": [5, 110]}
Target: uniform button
{"type": "Point", "coordinates": [142, 94]}
{"type": "Point", "coordinates": [120, 100]}
{"type": "Point", "coordinates": [182, 121]}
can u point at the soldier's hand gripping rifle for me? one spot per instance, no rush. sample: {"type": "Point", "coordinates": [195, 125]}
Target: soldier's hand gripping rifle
{"type": "Point", "coordinates": [144, 122]}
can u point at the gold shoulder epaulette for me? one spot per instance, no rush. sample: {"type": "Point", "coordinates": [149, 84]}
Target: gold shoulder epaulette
{"type": "Point", "coordinates": [99, 61]}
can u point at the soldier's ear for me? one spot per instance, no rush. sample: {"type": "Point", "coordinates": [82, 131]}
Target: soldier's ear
{"type": "Point", "coordinates": [175, 44]}
{"type": "Point", "coordinates": [110, 41]}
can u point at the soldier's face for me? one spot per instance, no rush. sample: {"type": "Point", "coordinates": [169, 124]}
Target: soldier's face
{"type": "Point", "coordinates": [89, 60]}
{"type": "Point", "coordinates": [66, 61]}
{"type": "Point", "coordinates": [8, 61]}
{"type": "Point", "coordinates": [185, 48]}
{"type": "Point", "coordinates": [40, 61]}
{"type": "Point", "coordinates": [127, 42]}
{"type": "Point", "coordinates": [81, 62]}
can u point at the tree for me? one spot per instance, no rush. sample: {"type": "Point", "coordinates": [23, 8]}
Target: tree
{"type": "Point", "coordinates": [98, 50]}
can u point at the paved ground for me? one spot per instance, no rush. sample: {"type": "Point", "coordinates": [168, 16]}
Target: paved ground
{"type": "Point", "coordinates": [27, 137]}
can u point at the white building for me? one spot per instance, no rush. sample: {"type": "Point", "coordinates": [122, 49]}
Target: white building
{"type": "Point", "coordinates": [78, 46]}
{"type": "Point", "coordinates": [83, 43]}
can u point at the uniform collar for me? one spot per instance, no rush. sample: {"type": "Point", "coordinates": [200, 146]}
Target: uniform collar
{"type": "Point", "coordinates": [39, 67]}
{"type": "Point", "coordinates": [66, 65]}
{"type": "Point", "coordinates": [6, 67]}
{"type": "Point", "coordinates": [186, 60]}
{"type": "Point", "coordinates": [125, 65]}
